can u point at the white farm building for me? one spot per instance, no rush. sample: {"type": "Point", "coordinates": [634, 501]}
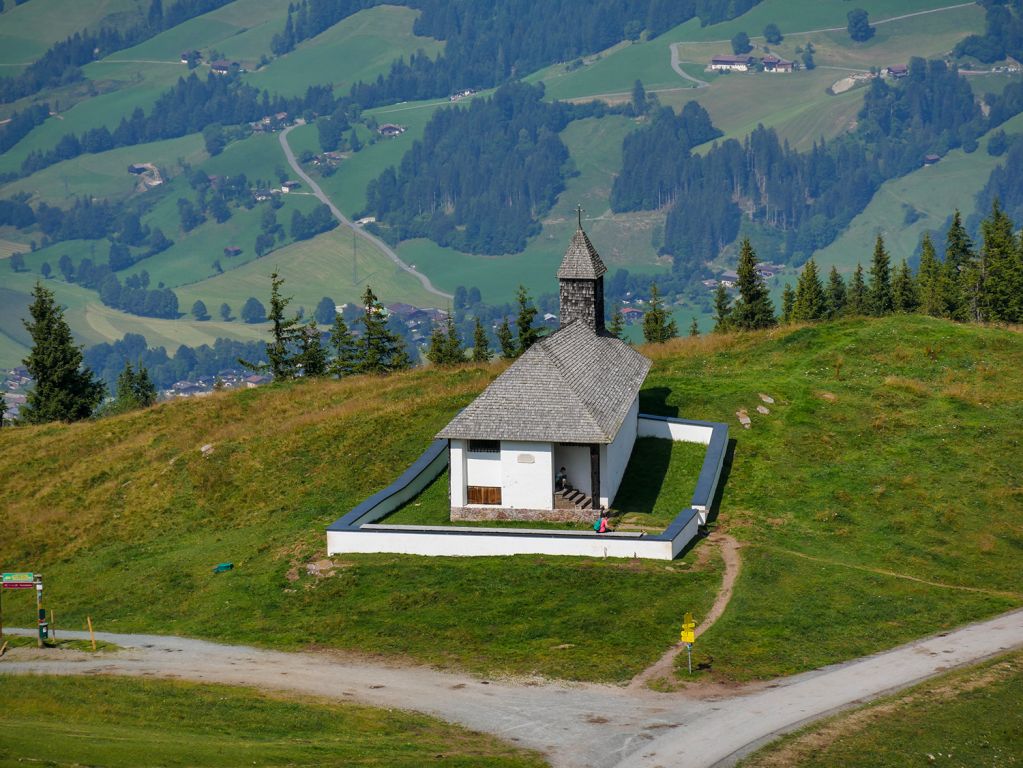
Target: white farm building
{"type": "Point", "coordinates": [571, 401]}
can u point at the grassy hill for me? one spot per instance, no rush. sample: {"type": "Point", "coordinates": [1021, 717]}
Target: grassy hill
{"type": "Point", "coordinates": [878, 501]}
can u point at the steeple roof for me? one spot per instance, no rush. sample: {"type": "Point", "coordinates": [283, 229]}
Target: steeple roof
{"type": "Point", "coordinates": [581, 262]}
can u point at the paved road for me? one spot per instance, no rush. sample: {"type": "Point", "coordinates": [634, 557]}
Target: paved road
{"type": "Point", "coordinates": [368, 236]}
{"type": "Point", "coordinates": [578, 726]}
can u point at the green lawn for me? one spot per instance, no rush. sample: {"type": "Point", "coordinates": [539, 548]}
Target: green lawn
{"type": "Point", "coordinates": [122, 722]}
{"type": "Point", "coordinates": [969, 717]}
{"type": "Point", "coordinates": [659, 482]}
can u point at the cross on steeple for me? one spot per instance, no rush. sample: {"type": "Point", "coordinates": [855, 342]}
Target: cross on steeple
{"type": "Point", "coordinates": [579, 213]}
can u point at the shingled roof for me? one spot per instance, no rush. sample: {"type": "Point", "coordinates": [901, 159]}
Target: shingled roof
{"type": "Point", "coordinates": [572, 387]}
{"type": "Point", "coordinates": [581, 262]}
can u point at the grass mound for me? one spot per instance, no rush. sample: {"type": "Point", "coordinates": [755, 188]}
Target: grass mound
{"type": "Point", "coordinates": [877, 501]}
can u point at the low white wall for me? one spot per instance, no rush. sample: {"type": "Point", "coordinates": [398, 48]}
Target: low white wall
{"type": "Point", "coordinates": [681, 433]}
{"type": "Point", "coordinates": [687, 534]}
{"type": "Point", "coordinates": [453, 545]}
{"type": "Point", "coordinates": [527, 475]}
{"type": "Point", "coordinates": [614, 458]}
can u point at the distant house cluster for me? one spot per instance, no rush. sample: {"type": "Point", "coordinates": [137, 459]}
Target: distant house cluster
{"type": "Point", "coordinates": [729, 278]}
{"type": "Point", "coordinates": [229, 378]}
{"type": "Point", "coordinates": [272, 123]}
{"type": "Point", "coordinates": [745, 62]}
{"type": "Point", "coordinates": [13, 390]}
{"type": "Point", "coordinates": [461, 95]}
{"type": "Point", "coordinates": [225, 67]}
{"type": "Point", "coordinates": [418, 321]}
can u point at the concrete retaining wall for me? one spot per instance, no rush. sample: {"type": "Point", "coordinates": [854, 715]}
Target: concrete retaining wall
{"type": "Point", "coordinates": [357, 531]}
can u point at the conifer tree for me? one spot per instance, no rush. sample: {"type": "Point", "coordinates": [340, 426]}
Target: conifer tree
{"type": "Point", "coordinates": [134, 390]}
{"type": "Point", "coordinates": [694, 328]}
{"type": "Point", "coordinates": [904, 289]}
{"type": "Point", "coordinates": [959, 262]}
{"type": "Point", "coordinates": [811, 301]}
{"type": "Point", "coordinates": [312, 355]}
{"type": "Point", "coordinates": [856, 299]}
{"type": "Point", "coordinates": [617, 326]}
{"type": "Point", "coordinates": [788, 303]}
{"type": "Point", "coordinates": [480, 344]}
{"type": "Point", "coordinates": [3, 410]}
{"type": "Point", "coordinates": [753, 309]}
{"type": "Point", "coordinates": [345, 360]}
{"type": "Point", "coordinates": [64, 390]}
{"type": "Point", "coordinates": [722, 309]}
{"type": "Point", "coordinates": [1001, 297]}
{"type": "Point", "coordinates": [931, 281]}
{"type": "Point", "coordinates": [658, 324]}
{"type": "Point", "coordinates": [379, 349]}
{"type": "Point", "coordinates": [528, 333]}
{"type": "Point", "coordinates": [445, 344]}
{"type": "Point", "coordinates": [506, 340]}
{"type": "Point", "coordinates": [836, 294]}
{"type": "Point", "coordinates": [880, 299]}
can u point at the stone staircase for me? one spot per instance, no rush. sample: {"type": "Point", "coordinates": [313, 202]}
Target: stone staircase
{"type": "Point", "coordinates": [571, 498]}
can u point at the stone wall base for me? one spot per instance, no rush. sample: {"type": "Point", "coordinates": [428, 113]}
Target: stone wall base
{"type": "Point", "coordinates": [478, 514]}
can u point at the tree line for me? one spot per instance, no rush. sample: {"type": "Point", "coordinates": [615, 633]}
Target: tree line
{"type": "Point", "coordinates": [1003, 33]}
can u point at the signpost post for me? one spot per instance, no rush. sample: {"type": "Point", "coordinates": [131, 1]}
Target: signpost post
{"type": "Point", "coordinates": [24, 581]}
{"type": "Point", "coordinates": [689, 637]}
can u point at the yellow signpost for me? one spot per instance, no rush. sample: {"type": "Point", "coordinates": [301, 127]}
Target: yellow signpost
{"type": "Point", "coordinates": [689, 637]}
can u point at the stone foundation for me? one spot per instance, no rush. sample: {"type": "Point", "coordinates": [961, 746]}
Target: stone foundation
{"type": "Point", "coordinates": [481, 514]}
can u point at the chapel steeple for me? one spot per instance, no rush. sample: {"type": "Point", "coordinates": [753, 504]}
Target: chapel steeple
{"type": "Point", "coordinates": [581, 277]}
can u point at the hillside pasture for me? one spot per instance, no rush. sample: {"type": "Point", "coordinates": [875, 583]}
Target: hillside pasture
{"type": "Point", "coordinates": [847, 498]}
{"type": "Point", "coordinates": [932, 192]}
{"type": "Point", "coordinates": [105, 175]}
{"type": "Point", "coordinates": [28, 29]}
{"type": "Point", "coordinates": [358, 48]}
{"type": "Point", "coordinates": [327, 265]}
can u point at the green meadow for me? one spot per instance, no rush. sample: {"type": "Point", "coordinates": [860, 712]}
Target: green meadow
{"type": "Point", "coordinates": [123, 722]}
{"type": "Point", "coordinates": [847, 498]}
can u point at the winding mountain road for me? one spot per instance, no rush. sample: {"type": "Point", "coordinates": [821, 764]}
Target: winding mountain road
{"type": "Point", "coordinates": [359, 231]}
{"type": "Point", "coordinates": [577, 726]}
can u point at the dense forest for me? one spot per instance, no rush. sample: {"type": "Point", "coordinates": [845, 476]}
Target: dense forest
{"type": "Point", "coordinates": [62, 63]}
{"type": "Point", "coordinates": [481, 176]}
{"type": "Point", "coordinates": [489, 43]}
{"type": "Point", "coordinates": [1003, 33]}
{"type": "Point", "coordinates": [807, 198]}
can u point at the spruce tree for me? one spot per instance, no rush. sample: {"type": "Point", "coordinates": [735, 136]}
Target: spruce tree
{"type": "Point", "coordinates": [658, 325]}
{"type": "Point", "coordinates": [1002, 293]}
{"type": "Point", "coordinates": [380, 349]}
{"type": "Point", "coordinates": [64, 390]}
{"type": "Point", "coordinates": [617, 326]}
{"type": "Point", "coordinates": [345, 360]}
{"type": "Point", "coordinates": [960, 259]}
{"type": "Point", "coordinates": [3, 410]}
{"type": "Point", "coordinates": [134, 390]}
{"type": "Point", "coordinates": [880, 298]}
{"type": "Point", "coordinates": [931, 281]}
{"type": "Point", "coordinates": [528, 333]}
{"type": "Point", "coordinates": [753, 309]}
{"type": "Point", "coordinates": [694, 328]}
{"type": "Point", "coordinates": [506, 340]}
{"type": "Point", "coordinates": [445, 344]}
{"type": "Point", "coordinates": [811, 301]}
{"type": "Point", "coordinates": [856, 300]}
{"type": "Point", "coordinates": [788, 303]}
{"type": "Point", "coordinates": [312, 355]}
{"type": "Point", "coordinates": [480, 343]}
{"type": "Point", "coordinates": [836, 294]}
{"type": "Point", "coordinates": [722, 309]}
{"type": "Point", "coordinates": [904, 289]}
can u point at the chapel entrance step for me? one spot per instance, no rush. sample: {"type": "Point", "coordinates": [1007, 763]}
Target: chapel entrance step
{"type": "Point", "coordinates": [572, 498]}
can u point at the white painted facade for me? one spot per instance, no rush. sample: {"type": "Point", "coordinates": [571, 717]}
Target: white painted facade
{"type": "Point", "coordinates": [525, 471]}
